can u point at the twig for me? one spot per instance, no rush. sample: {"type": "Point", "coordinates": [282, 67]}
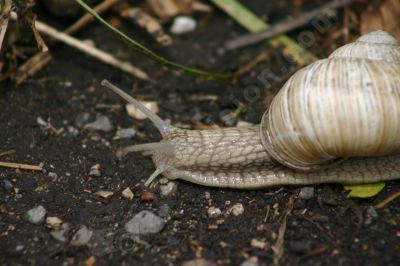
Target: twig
{"type": "Point", "coordinates": [284, 26]}
{"type": "Point", "coordinates": [92, 51]}
{"type": "Point", "coordinates": [259, 58]}
{"type": "Point", "coordinates": [277, 248]}
{"type": "Point", "coordinates": [9, 152]}
{"type": "Point", "coordinates": [383, 203]}
{"type": "Point", "coordinates": [85, 19]}
{"type": "Point", "coordinates": [39, 60]}
{"type": "Point", "coordinates": [32, 66]}
{"type": "Point", "coordinates": [22, 166]}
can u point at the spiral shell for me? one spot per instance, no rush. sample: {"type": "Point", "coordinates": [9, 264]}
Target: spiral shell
{"type": "Point", "coordinates": [347, 105]}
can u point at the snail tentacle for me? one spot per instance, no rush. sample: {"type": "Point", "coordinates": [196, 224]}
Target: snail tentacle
{"type": "Point", "coordinates": [160, 124]}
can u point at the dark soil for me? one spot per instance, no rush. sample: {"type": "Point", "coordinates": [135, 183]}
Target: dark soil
{"type": "Point", "coordinates": [328, 229]}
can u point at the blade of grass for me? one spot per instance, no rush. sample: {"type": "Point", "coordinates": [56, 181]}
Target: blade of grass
{"type": "Point", "coordinates": [252, 23]}
{"type": "Point", "coordinates": [151, 54]}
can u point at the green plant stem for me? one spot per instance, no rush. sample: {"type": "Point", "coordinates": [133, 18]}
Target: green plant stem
{"type": "Point", "coordinates": [151, 54]}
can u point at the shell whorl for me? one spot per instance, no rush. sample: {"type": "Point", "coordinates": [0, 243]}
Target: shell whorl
{"type": "Point", "coordinates": [376, 45]}
{"type": "Point", "coordinates": [347, 105]}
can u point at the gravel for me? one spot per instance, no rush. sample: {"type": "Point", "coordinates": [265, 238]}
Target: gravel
{"type": "Point", "coordinates": [306, 193]}
{"type": "Point", "coordinates": [36, 215]}
{"type": "Point", "coordinates": [145, 222]}
{"type": "Point", "coordinates": [102, 123]}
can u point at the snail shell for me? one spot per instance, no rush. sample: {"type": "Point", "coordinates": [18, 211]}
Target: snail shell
{"type": "Point", "coordinates": [347, 105]}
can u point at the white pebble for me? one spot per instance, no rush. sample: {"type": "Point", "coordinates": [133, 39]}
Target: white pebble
{"type": "Point", "coordinates": [168, 189]}
{"type": "Point", "coordinates": [183, 25]}
{"type": "Point", "coordinates": [125, 133]}
{"type": "Point", "coordinates": [128, 194]}
{"type": "Point", "coordinates": [53, 222]}
{"type": "Point", "coordinates": [137, 114]}
{"type": "Point", "coordinates": [145, 222]}
{"type": "Point", "coordinates": [36, 215]}
{"type": "Point", "coordinates": [102, 123]}
{"type": "Point", "coordinates": [306, 193]}
{"type": "Point", "coordinates": [82, 236]}
{"type": "Point", "coordinates": [213, 212]}
{"type": "Point", "coordinates": [237, 209]}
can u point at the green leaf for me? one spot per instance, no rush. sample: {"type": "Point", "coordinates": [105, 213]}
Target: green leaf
{"type": "Point", "coordinates": [364, 190]}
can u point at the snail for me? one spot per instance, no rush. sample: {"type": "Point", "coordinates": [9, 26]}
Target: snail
{"type": "Point", "coordinates": [336, 120]}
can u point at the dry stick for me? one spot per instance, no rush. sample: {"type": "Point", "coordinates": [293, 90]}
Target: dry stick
{"type": "Point", "coordinates": [383, 203]}
{"type": "Point", "coordinates": [277, 248]}
{"type": "Point", "coordinates": [9, 152]}
{"type": "Point", "coordinates": [92, 51]}
{"type": "Point", "coordinates": [22, 166]}
{"type": "Point", "coordinates": [85, 19]}
{"type": "Point", "coordinates": [39, 60]}
{"type": "Point", "coordinates": [32, 66]}
{"type": "Point", "coordinates": [284, 26]}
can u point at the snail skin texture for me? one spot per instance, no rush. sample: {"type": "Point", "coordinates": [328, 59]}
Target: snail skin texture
{"type": "Point", "coordinates": [334, 121]}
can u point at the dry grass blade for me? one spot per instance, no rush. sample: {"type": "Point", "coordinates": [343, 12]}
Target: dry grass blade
{"type": "Point", "coordinates": [22, 166]}
{"type": "Point", "coordinates": [383, 203]}
{"type": "Point", "coordinates": [278, 247]}
{"type": "Point", "coordinates": [92, 51]}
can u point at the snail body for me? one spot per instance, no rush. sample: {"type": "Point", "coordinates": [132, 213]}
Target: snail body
{"type": "Point", "coordinates": [334, 121]}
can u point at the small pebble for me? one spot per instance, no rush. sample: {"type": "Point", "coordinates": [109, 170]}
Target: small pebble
{"type": "Point", "coordinates": [370, 215]}
{"type": "Point", "coordinates": [164, 211]}
{"type": "Point", "coordinates": [52, 175]}
{"type": "Point", "coordinates": [207, 195]}
{"type": "Point", "coordinates": [145, 222]}
{"type": "Point", "coordinates": [95, 170]}
{"type": "Point", "coordinates": [53, 222]}
{"type": "Point", "coordinates": [237, 209]}
{"type": "Point", "coordinates": [168, 189]}
{"type": "Point", "coordinates": [128, 194]}
{"type": "Point", "coordinates": [306, 193]}
{"type": "Point", "coordinates": [36, 215]}
{"type": "Point", "coordinates": [81, 237]}
{"type": "Point", "coordinates": [71, 132]}
{"type": "Point", "coordinates": [82, 119]}
{"type": "Point", "coordinates": [257, 243]}
{"type": "Point", "coordinates": [163, 181]}
{"type": "Point", "coordinates": [7, 184]}
{"type": "Point", "coordinates": [137, 114]}
{"type": "Point", "coordinates": [102, 123]}
{"type": "Point", "coordinates": [182, 24]}
{"type": "Point", "coordinates": [103, 194]}
{"type": "Point", "coordinates": [60, 234]}
{"type": "Point", "coordinates": [252, 261]}
{"type": "Point", "coordinates": [213, 212]}
{"type": "Point", "coordinates": [198, 262]}
{"type": "Point", "coordinates": [146, 196]}
{"type": "Point", "coordinates": [125, 133]}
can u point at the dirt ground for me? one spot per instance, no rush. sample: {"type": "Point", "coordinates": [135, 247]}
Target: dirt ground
{"type": "Point", "coordinates": [327, 229]}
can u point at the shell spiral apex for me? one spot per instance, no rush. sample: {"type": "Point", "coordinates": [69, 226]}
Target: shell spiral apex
{"type": "Point", "coordinates": [376, 45]}
{"type": "Point", "coordinates": [347, 105]}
